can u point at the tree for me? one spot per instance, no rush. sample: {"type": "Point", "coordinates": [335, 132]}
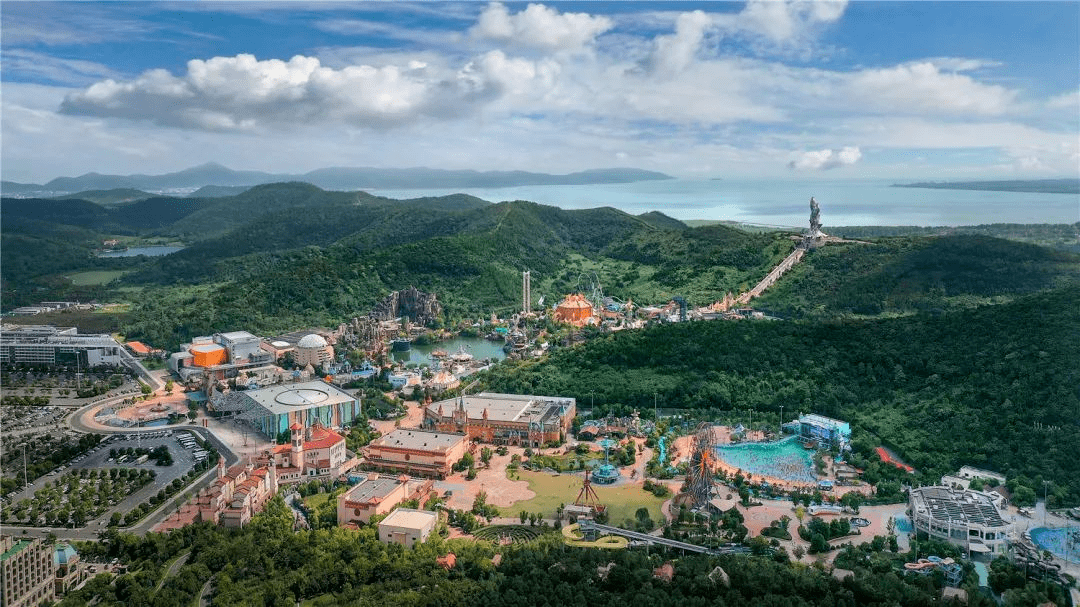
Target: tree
{"type": "Point", "coordinates": [818, 543]}
{"type": "Point", "coordinates": [485, 455]}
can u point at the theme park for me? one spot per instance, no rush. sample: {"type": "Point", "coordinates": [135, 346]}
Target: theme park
{"type": "Point", "coordinates": [383, 424]}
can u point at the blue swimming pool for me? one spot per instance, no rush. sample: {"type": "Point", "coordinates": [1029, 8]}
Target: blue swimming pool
{"type": "Point", "coordinates": [785, 459]}
{"type": "Point", "coordinates": [1062, 542]}
{"type": "Point", "coordinates": [903, 525]}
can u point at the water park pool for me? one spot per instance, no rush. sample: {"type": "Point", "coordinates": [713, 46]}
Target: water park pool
{"type": "Point", "coordinates": [903, 525]}
{"type": "Point", "coordinates": [786, 460]}
{"type": "Point", "coordinates": [1059, 541]}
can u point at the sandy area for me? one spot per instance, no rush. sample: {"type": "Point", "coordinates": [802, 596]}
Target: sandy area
{"type": "Point", "coordinates": [413, 419]}
{"type": "Point", "coordinates": [501, 491]}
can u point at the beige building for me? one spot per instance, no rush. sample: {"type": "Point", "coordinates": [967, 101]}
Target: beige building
{"type": "Point", "coordinates": [27, 572]}
{"type": "Point", "coordinates": [416, 452]}
{"type": "Point", "coordinates": [377, 495]}
{"type": "Point", "coordinates": [313, 350]}
{"type": "Point", "coordinates": [237, 495]}
{"type": "Point", "coordinates": [406, 526]}
{"type": "Point", "coordinates": [313, 452]}
{"type": "Point", "coordinates": [504, 419]}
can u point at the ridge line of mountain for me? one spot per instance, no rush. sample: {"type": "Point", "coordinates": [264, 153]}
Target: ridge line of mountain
{"type": "Point", "coordinates": [335, 178]}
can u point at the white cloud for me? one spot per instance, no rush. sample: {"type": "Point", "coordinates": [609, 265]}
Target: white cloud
{"type": "Point", "coordinates": [783, 21]}
{"type": "Point", "coordinates": [1068, 101]}
{"type": "Point", "coordinates": [243, 93]}
{"type": "Point", "coordinates": [676, 51]}
{"type": "Point", "coordinates": [540, 27]}
{"type": "Point", "coordinates": [823, 160]}
{"type": "Point", "coordinates": [923, 87]}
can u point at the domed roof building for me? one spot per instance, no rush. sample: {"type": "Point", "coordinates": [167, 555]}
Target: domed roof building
{"type": "Point", "coordinates": [314, 340]}
{"type": "Point", "coordinates": [313, 350]}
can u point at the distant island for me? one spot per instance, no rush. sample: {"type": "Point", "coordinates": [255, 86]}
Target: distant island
{"type": "Point", "coordinates": [334, 178]}
{"type": "Point", "coordinates": [1040, 186]}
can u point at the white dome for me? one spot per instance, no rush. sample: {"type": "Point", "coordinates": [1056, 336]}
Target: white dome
{"type": "Point", "coordinates": [311, 341]}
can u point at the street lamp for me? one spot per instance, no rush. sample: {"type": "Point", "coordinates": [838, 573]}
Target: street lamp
{"type": "Point", "coordinates": [781, 420]}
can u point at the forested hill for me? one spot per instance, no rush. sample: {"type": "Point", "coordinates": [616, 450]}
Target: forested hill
{"type": "Point", "coordinates": [994, 387]}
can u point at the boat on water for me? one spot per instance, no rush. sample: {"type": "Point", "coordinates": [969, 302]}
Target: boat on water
{"type": "Point", "coordinates": [461, 356]}
{"type": "Point", "coordinates": [438, 353]}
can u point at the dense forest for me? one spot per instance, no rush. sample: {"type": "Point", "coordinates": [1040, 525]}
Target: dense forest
{"type": "Point", "coordinates": [267, 564]}
{"type": "Point", "coordinates": [994, 387]}
{"type": "Point", "coordinates": [284, 255]}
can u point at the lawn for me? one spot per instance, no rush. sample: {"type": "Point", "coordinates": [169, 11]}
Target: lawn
{"type": "Point", "coordinates": [622, 500]}
{"type": "Point", "coordinates": [95, 277]}
{"type": "Point", "coordinates": [315, 500]}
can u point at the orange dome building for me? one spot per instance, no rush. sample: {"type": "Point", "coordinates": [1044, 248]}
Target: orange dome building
{"type": "Point", "coordinates": [575, 309]}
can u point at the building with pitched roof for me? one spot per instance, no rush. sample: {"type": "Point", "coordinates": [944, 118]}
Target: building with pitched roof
{"type": "Point", "coordinates": [504, 419]}
{"type": "Point", "coordinates": [312, 452]}
{"type": "Point", "coordinates": [237, 494]}
{"type": "Point", "coordinates": [379, 494]}
{"type": "Point", "coordinates": [417, 452]}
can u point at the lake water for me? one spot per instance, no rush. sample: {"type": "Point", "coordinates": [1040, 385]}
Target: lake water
{"type": "Point", "coordinates": [480, 349]}
{"type": "Point", "coordinates": [152, 251]}
{"type": "Point", "coordinates": [787, 203]}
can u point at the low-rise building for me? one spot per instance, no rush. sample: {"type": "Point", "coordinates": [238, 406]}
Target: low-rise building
{"type": "Point", "coordinates": [824, 432]}
{"type": "Point", "coordinates": [313, 452]}
{"type": "Point", "coordinates": [969, 519]}
{"type": "Point", "coordinates": [406, 526]}
{"type": "Point", "coordinates": [504, 419]}
{"type": "Point", "coordinates": [238, 494]}
{"type": "Point", "coordinates": [27, 572]}
{"type": "Point", "coordinates": [379, 494]}
{"type": "Point", "coordinates": [49, 345]}
{"type": "Point", "coordinates": [416, 452]}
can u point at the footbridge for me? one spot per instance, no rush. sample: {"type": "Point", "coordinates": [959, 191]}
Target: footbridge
{"type": "Point", "coordinates": [591, 529]}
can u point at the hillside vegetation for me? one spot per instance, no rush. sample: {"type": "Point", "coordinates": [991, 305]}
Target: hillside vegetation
{"type": "Point", "coordinates": [994, 387]}
{"type": "Point", "coordinates": [288, 254]}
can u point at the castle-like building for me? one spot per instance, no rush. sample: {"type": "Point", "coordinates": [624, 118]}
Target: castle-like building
{"type": "Point", "coordinates": [504, 419]}
{"type": "Point", "coordinates": [313, 452]}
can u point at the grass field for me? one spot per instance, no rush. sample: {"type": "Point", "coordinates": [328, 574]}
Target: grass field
{"type": "Point", "coordinates": [317, 499]}
{"type": "Point", "coordinates": [622, 501]}
{"type": "Point", "coordinates": [95, 277]}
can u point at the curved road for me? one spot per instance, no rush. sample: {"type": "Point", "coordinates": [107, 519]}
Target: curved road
{"type": "Point", "coordinates": [77, 421]}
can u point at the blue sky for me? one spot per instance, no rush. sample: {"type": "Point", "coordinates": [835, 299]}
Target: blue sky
{"type": "Point", "coordinates": [774, 89]}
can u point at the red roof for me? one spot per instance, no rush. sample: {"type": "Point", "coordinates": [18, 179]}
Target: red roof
{"type": "Point", "coordinates": [322, 438]}
{"type": "Point", "coordinates": [138, 347]}
{"type": "Point", "coordinates": [295, 426]}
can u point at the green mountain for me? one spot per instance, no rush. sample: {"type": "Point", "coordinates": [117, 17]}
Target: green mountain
{"type": "Point", "coordinates": [993, 387]}
{"type": "Point", "coordinates": [110, 197]}
{"type": "Point", "coordinates": [902, 275]}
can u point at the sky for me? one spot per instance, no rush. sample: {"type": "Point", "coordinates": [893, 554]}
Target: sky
{"type": "Point", "coordinates": [766, 89]}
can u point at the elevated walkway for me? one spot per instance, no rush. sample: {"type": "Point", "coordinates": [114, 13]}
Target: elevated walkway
{"type": "Point", "coordinates": [593, 530]}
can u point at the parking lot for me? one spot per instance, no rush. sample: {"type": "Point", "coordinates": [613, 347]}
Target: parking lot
{"type": "Point", "coordinates": [20, 417]}
{"type": "Point", "coordinates": [184, 458]}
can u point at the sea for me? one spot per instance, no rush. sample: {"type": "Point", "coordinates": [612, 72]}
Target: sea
{"type": "Point", "coordinates": [847, 202]}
